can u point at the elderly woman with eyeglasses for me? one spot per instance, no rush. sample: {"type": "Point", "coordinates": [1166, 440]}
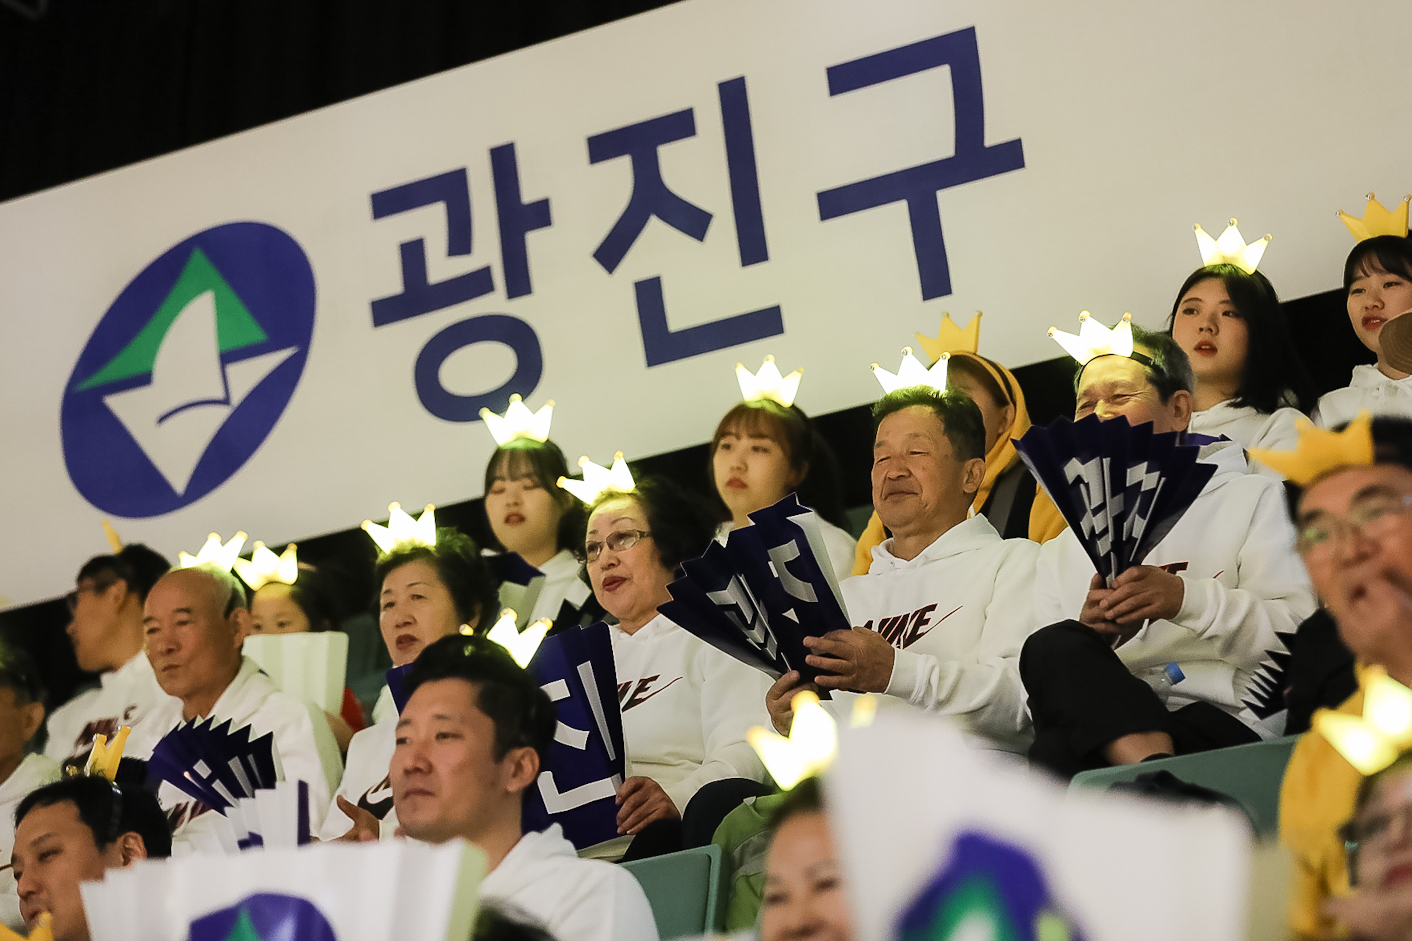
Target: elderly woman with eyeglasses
{"type": "Point", "coordinates": [1378, 843]}
{"type": "Point", "coordinates": [686, 706]}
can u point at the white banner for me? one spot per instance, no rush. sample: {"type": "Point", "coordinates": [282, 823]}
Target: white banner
{"type": "Point", "coordinates": [284, 330]}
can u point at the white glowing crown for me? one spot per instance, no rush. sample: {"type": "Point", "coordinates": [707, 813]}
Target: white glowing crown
{"type": "Point", "coordinates": [519, 422]}
{"type": "Point", "coordinates": [768, 383]}
{"type": "Point", "coordinates": [598, 480]}
{"type": "Point", "coordinates": [214, 553]}
{"type": "Point", "coordinates": [812, 742]}
{"type": "Point", "coordinates": [913, 373]}
{"type": "Point", "coordinates": [1094, 339]}
{"type": "Point", "coordinates": [1377, 738]}
{"type": "Point", "coordinates": [1231, 249]}
{"type": "Point", "coordinates": [1377, 220]}
{"type": "Point", "coordinates": [401, 530]}
{"type": "Point", "coordinates": [521, 644]}
{"type": "Point", "coordinates": [265, 567]}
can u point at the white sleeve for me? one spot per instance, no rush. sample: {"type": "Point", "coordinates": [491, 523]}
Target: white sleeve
{"type": "Point", "coordinates": [986, 693]}
{"type": "Point", "coordinates": [299, 754]}
{"type": "Point", "coordinates": [1273, 593]}
{"type": "Point", "coordinates": [732, 701]}
{"type": "Point", "coordinates": [1050, 603]}
{"type": "Point", "coordinates": [65, 724]}
{"type": "Point", "coordinates": [607, 905]}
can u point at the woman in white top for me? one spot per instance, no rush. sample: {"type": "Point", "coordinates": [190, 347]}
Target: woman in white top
{"type": "Point", "coordinates": [686, 706]}
{"type": "Point", "coordinates": [760, 454]}
{"type": "Point", "coordinates": [1248, 374]}
{"type": "Point", "coordinates": [531, 516]}
{"type": "Point", "coordinates": [1377, 279]}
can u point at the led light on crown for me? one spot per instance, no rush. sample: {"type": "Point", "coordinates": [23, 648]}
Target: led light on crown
{"type": "Point", "coordinates": [1094, 339]}
{"type": "Point", "coordinates": [951, 338]}
{"type": "Point", "coordinates": [265, 567]}
{"type": "Point", "coordinates": [1231, 249]}
{"type": "Point", "coordinates": [768, 383]}
{"type": "Point", "coordinates": [1377, 220]}
{"type": "Point", "coordinates": [214, 553]}
{"type": "Point", "coordinates": [810, 748]}
{"type": "Point", "coordinates": [521, 644]}
{"type": "Point", "coordinates": [598, 480]}
{"type": "Point", "coordinates": [1320, 451]}
{"type": "Point", "coordinates": [103, 758]}
{"type": "Point", "coordinates": [912, 373]}
{"type": "Point", "coordinates": [401, 530]}
{"type": "Point", "coordinates": [115, 542]}
{"type": "Point", "coordinates": [1374, 740]}
{"type": "Point", "coordinates": [519, 422]}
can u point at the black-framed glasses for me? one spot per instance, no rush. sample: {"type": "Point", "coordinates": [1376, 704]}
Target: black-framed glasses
{"type": "Point", "coordinates": [618, 540]}
{"type": "Point", "coordinates": [93, 587]}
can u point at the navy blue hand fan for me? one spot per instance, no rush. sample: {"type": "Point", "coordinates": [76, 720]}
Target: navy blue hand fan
{"type": "Point", "coordinates": [1120, 488]}
{"type": "Point", "coordinates": [213, 764]}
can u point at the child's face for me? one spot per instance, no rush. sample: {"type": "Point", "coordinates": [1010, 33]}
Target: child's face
{"type": "Point", "coordinates": [1375, 297]}
{"type": "Point", "coordinates": [18, 724]}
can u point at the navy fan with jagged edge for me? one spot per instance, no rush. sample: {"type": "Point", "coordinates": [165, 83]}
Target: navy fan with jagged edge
{"type": "Point", "coordinates": [1121, 488]}
{"type": "Point", "coordinates": [215, 764]}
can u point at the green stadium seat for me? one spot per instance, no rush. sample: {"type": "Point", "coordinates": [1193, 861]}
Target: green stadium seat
{"type": "Point", "coordinates": [684, 890]}
{"type": "Point", "coordinates": [1252, 774]}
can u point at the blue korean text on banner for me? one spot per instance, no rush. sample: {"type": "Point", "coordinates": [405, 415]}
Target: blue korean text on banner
{"type": "Point", "coordinates": [189, 370]}
{"type": "Point", "coordinates": [586, 762]}
{"type": "Point", "coordinates": [987, 889]}
{"type": "Point", "coordinates": [757, 597]}
{"type": "Point", "coordinates": [264, 916]}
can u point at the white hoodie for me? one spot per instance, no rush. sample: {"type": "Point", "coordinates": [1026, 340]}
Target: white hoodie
{"type": "Point", "coordinates": [958, 615]}
{"type": "Point", "coordinates": [251, 699]}
{"type": "Point", "coordinates": [34, 772]}
{"type": "Point", "coordinates": [1369, 389]}
{"type": "Point", "coordinates": [1277, 431]}
{"type": "Point", "coordinates": [686, 709]}
{"type": "Point", "coordinates": [365, 780]}
{"type": "Point", "coordinates": [127, 695]}
{"type": "Point", "coordinates": [1234, 552]}
{"type": "Point", "coordinates": [574, 899]}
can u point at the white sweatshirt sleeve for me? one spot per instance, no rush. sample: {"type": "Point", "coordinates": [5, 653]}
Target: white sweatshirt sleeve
{"type": "Point", "coordinates": [299, 754]}
{"type": "Point", "coordinates": [1274, 593]}
{"type": "Point", "coordinates": [1049, 603]}
{"type": "Point", "coordinates": [607, 905]}
{"type": "Point", "coordinates": [732, 701]}
{"type": "Point", "coordinates": [987, 693]}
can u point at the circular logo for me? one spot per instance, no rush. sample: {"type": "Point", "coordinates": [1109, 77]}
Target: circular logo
{"type": "Point", "coordinates": [189, 370]}
{"type": "Point", "coordinates": [264, 916]}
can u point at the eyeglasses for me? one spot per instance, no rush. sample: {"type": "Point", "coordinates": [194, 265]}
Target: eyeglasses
{"type": "Point", "coordinates": [71, 599]}
{"type": "Point", "coordinates": [1377, 833]}
{"type": "Point", "coordinates": [617, 541]}
{"type": "Point", "coordinates": [1371, 516]}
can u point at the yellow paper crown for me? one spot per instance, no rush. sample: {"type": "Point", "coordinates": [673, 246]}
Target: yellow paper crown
{"type": "Point", "coordinates": [522, 644]}
{"type": "Point", "coordinates": [598, 480]}
{"type": "Point", "coordinates": [1377, 220]}
{"type": "Point", "coordinates": [214, 553]}
{"type": "Point", "coordinates": [115, 542]}
{"type": "Point", "coordinates": [1231, 249]}
{"type": "Point", "coordinates": [951, 338]}
{"type": "Point", "coordinates": [401, 530]}
{"type": "Point", "coordinates": [1094, 340]}
{"type": "Point", "coordinates": [912, 373]}
{"type": "Point", "coordinates": [103, 759]}
{"type": "Point", "coordinates": [1374, 740]}
{"type": "Point", "coordinates": [768, 383]}
{"type": "Point", "coordinates": [265, 567]}
{"type": "Point", "coordinates": [1320, 451]}
{"type": "Point", "coordinates": [519, 422]}
{"type": "Point", "coordinates": [812, 742]}
{"type": "Point", "coordinates": [43, 931]}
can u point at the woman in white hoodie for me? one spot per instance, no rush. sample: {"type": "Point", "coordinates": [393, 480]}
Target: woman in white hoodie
{"type": "Point", "coordinates": [1250, 383]}
{"type": "Point", "coordinates": [686, 706]}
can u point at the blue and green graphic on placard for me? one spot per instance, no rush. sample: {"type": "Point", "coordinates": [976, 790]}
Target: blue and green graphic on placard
{"type": "Point", "coordinates": [264, 916]}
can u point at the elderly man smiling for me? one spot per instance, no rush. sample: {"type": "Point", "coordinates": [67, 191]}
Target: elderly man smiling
{"type": "Point", "coordinates": [195, 619]}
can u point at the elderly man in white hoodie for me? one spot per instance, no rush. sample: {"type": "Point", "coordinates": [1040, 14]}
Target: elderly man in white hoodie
{"type": "Point", "coordinates": [196, 619]}
{"type": "Point", "coordinates": [469, 743]}
{"type": "Point", "coordinates": [1167, 659]}
{"type": "Point", "coordinates": [943, 611]}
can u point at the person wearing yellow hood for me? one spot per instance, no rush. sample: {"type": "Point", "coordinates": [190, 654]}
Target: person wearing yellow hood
{"type": "Point", "coordinates": [1009, 497]}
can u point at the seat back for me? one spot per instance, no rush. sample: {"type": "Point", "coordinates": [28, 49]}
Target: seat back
{"type": "Point", "coordinates": [683, 890]}
{"type": "Point", "coordinates": [1252, 774]}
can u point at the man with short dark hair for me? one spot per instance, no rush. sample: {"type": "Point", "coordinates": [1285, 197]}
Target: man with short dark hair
{"type": "Point", "coordinates": [73, 831]}
{"type": "Point", "coordinates": [1168, 658]}
{"type": "Point", "coordinates": [470, 741]}
{"type": "Point", "coordinates": [105, 628]}
{"type": "Point", "coordinates": [195, 620]}
{"type": "Point", "coordinates": [21, 715]}
{"type": "Point", "coordinates": [941, 615]}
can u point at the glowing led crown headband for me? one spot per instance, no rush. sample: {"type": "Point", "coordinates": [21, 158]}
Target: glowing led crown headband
{"type": "Point", "coordinates": [1094, 340]}
{"type": "Point", "coordinates": [912, 373]}
{"type": "Point", "coordinates": [115, 542]}
{"type": "Point", "coordinates": [598, 480]}
{"type": "Point", "coordinates": [1377, 220]}
{"type": "Point", "coordinates": [402, 531]}
{"type": "Point", "coordinates": [812, 742]}
{"type": "Point", "coordinates": [214, 553]}
{"type": "Point", "coordinates": [1320, 451]}
{"type": "Point", "coordinates": [521, 644]}
{"type": "Point", "coordinates": [43, 930]}
{"type": "Point", "coordinates": [265, 567]}
{"type": "Point", "coordinates": [519, 422]}
{"type": "Point", "coordinates": [1374, 740]}
{"type": "Point", "coordinates": [1231, 249]}
{"type": "Point", "coordinates": [768, 383]}
{"type": "Point", "coordinates": [951, 338]}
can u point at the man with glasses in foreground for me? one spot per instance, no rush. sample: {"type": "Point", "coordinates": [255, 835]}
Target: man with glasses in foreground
{"type": "Point", "coordinates": [1355, 537]}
